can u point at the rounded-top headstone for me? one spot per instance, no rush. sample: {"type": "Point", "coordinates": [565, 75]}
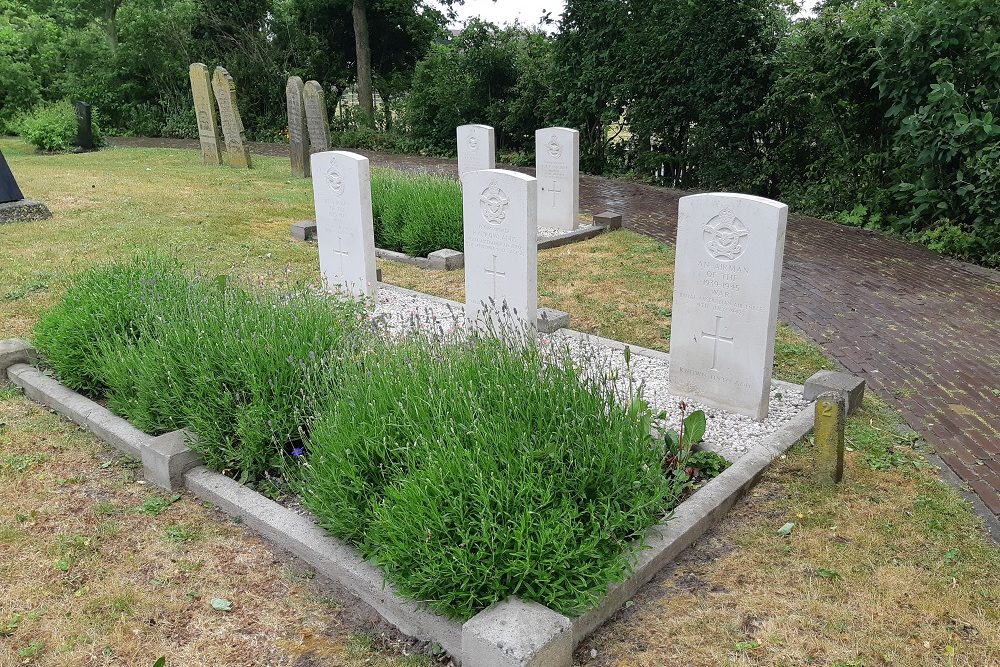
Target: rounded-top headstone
{"type": "Point", "coordinates": [727, 277]}
{"type": "Point", "coordinates": [501, 244]}
{"type": "Point", "coordinates": [477, 148]}
{"type": "Point", "coordinates": [557, 168]}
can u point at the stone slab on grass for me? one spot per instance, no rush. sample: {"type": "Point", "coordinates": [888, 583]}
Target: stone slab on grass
{"type": "Point", "coordinates": [23, 210]}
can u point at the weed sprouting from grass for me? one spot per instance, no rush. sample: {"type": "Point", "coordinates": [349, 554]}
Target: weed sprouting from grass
{"type": "Point", "coordinates": [416, 214]}
{"type": "Point", "coordinates": [180, 533]}
{"type": "Point", "coordinates": [157, 505]}
{"type": "Point", "coordinates": [18, 463]}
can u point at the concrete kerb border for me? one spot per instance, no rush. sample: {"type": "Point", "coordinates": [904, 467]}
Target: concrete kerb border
{"type": "Point", "coordinates": [447, 259]}
{"type": "Point", "coordinates": [541, 643]}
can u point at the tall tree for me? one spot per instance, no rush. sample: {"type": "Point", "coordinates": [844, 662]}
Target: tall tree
{"type": "Point", "coordinates": [363, 50]}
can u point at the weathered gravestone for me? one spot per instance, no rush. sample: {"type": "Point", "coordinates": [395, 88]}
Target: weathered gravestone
{"type": "Point", "coordinates": [501, 245]}
{"type": "Point", "coordinates": [298, 141]}
{"type": "Point", "coordinates": [727, 276]}
{"type": "Point", "coordinates": [84, 127]}
{"type": "Point", "coordinates": [557, 168]}
{"type": "Point", "coordinates": [204, 109]}
{"type": "Point", "coordinates": [316, 117]}
{"type": "Point", "coordinates": [13, 206]}
{"type": "Point", "coordinates": [477, 148]}
{"type": "Point", "coordinates": [343, 199]}
{"type": "Point", "coordinates": [224, 87]}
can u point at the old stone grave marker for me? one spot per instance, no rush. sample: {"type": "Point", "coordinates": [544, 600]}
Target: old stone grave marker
{"type": "Point", "coordinates": [316, 117]}
{"type": "Point", "coordinates": [501, 244]}
{"type": "Point", "coordinates": [726, 284]}
{"type": "Point", "coordinates": [204, 108]}
{"type": "Point", "coordinates": [298, 140]}
{"type": "Point", "coordinates": [557, 168]}
{"type": "Point", "coordinates": [84, 127]}
{"type": "Point", "coordinates": [477, 148]}
{"type": "Point", "coordinates": [828, 434]}
{"type": "Point", "coordinates": [344, 228]}
{"type": "Point", "coordinates": [224, 87]}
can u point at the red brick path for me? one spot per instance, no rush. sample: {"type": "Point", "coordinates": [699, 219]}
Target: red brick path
{"type": "Point", "coordinates": [923, 330]}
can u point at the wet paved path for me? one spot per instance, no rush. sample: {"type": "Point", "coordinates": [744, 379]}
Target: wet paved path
{"type": "Point", "coordinates": [923, 330]}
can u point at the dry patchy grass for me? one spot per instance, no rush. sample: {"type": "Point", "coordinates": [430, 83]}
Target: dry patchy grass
{"type": "Point", "coordinates": [889, 570]}
{"type": "Point", "coordinates": [98, 569]}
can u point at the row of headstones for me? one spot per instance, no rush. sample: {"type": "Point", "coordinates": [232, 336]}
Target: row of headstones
{"type": "Point", "coordinates": [308, 123]}
{"type": "Point", "coordinates": [557, 169]}
{"type": "Point", "coordinates": [726, 281]}
{"type": "Point", "coordinates": [215, 103]}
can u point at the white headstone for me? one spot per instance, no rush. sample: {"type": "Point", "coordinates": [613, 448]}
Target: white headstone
{"type": "Point", "coordinates": [501, 244]}
{"type": "Point", "coordinates": [557, 168]}
{"type": "Point", "coordinates": [727, 276]}
{"type": "Point", "coordinates": [343, 197]}
{"type": "Point", "coordinates": [477, 148]}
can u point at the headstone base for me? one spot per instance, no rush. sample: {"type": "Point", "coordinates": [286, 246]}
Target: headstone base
{"type": "Point", "coordinates": [23, 210]}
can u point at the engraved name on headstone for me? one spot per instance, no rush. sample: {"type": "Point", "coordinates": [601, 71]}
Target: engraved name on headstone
{"type": "Point", "coordinates": [501, 244]}
{"type": "Point", "coordinates": [316, 117]}
{"type": "Point", "coordinates": [477, 148]}
{"type": "Point", "coordinates": [204, 109]}
{"type": "Point", "coordinates": [344, 227]}
{"type": "Point", "coordinates": [224, 87]}
{"type": "Point", "coordinates": [557, 168]}
{"type": "Point", "coordinates": [298, 140]}
{"type": "Point", "coordinates": [726, 284]}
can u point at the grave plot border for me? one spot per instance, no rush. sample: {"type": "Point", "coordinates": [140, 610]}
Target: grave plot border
{"type": "Point", "coordinates": [447, 259]}
{"type": "Point", "coordinates": [509, 634]}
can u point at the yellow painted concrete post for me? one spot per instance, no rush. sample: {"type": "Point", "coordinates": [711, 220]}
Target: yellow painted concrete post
{"type": "Point", "coordinates": [829, 438]}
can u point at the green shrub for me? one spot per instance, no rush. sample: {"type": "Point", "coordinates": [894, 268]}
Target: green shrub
{"type": "Point", "coordinates": [473, 469]}
{"type": "Point", "coordinates": [50, 127]}
{"type": "Point", "coordinates": [470, 466]}
{"type": "Point", "coordinates": [170, 353]}
{"type": "Point", "coordinates": [416, 214]}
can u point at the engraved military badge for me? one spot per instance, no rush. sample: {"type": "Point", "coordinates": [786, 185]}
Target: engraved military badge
{"type": "Point", "coordinates": [335, 180]}
{"type": "Point", "coordinates": [553, 147]}
{"type": "Point", "coordinates": [726, 236]}
{"type": "Point", "coordinates": [493, 203]}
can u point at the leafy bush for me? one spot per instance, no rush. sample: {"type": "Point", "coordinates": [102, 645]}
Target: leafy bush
{"type": "Point", "coordinates": [471, 469]}
{"type": "Point", "coordinates": [416, 214]}
{"type": "Point", "coordinates": [50, 127]}
{"type": "Point", "coordinates": [471, 466]}
{"type": "Point", "coordinates": [206, 355]}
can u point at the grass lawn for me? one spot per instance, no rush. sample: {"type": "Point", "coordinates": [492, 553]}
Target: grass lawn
{"type": "Point", "coordinates": [891, 569]}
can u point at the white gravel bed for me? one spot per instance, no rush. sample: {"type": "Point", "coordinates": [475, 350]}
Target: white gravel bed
{"type": "Point", "coordinates": [549, 232]}
{"type": "Point", "coordinates": [728, 434]}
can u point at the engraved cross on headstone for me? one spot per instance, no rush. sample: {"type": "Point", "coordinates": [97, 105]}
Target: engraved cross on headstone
{"type": "Point", "coordinates": [343, 253]}
{"type": "Point", "coordinates": [717, 338]}
{"type": "Point", "coordinates": [554, 190]}
{"type": "Point", "coordinates": [495, 274]}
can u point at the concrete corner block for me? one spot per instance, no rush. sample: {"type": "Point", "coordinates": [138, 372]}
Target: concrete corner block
{"type": "Point", "coordinates": [378, 274]}
{"type": "Point", "coordinates": [517, 634]}
{"type": "Point", "coordinates": [15, 351]}
{"type": "Point", "coordinates": [851, 387]}
{"type": "Point", "coordinates": [166, 458]}
{"type": "Point", "coordinates": [446, 259]}
{"type": "Point", "coordinates": [550, 320]}
{"type": "Point", "coordinates": [609, 220]}
{"type": "Point", "coordinates": [303, 230]}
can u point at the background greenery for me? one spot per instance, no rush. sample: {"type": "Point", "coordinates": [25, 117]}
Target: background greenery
{"type": "Point", "coordinates": [874, 112]}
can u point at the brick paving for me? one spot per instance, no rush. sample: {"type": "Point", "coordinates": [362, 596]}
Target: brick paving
{"type": "Point", "coordinates": [923, 330]}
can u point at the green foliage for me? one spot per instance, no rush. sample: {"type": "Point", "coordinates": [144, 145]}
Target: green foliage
{"type": "Point", "coordinates": [170, 352]}
{"type": "Point", "coordinates": [432, 453]}
{"type": "Point", "coordinates": [416, 214]}
{"type": "Point", "coordinates": [50, 127]}
{"type": "Point", "coordinates": [439, 467]}
{"type": "Point", "coordinates": [486, 75]}
{"type": "Point", "coordinates": [940, 74]}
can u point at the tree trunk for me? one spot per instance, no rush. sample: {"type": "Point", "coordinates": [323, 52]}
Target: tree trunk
{"type": "Point", "coordinates": [364, 56]}
{"type": "Point", "coordinates": [111, 25]}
